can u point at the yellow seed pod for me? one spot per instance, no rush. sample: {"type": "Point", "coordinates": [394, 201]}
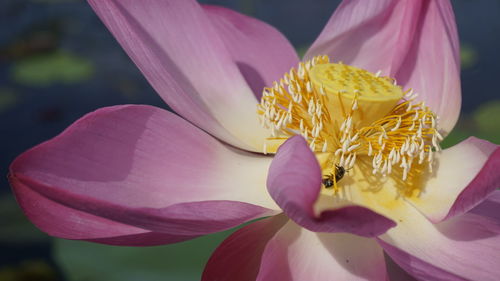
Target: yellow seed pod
{"type": "Point", "coordinates": [351, 89]}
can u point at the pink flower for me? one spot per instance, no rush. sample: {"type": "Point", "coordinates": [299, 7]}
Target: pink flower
{"type": "Point", "coordinates": [139, 175]}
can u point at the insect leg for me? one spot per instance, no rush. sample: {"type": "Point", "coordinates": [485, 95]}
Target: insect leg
{"type": "Point", "coordinates": [335, 183]}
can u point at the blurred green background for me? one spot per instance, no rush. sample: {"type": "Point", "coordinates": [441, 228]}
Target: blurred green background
{"type": "Point", "coordinates": [58, 62]}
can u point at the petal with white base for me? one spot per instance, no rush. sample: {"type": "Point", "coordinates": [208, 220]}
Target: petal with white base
{"type": "Point", "coordinates": [466, 247]}
{"type": "Point", "coordinates": [180, 52]}
{"type": "Point", "coordinates": [465, 174]}
{"type": "Point", "coordinates": [130, 170]}
{"type": "Point", "coordinates": [297, 254]}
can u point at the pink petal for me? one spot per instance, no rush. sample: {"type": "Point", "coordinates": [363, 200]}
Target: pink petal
{"type": "Point", "coordinates": [128, 171]}
{"type": "Point", "coordinates": [464, 175]}
{"type": "Point", "coordinates": [415, 42]}
{"type": "Point", "coordinates": [395, 272]}
{"type": "Point", "coordinates": [76, 224]}
{"type": "Point", "coordinates": [238, 257]}
{"type": "Point", "coordinates": [294, 182]}
{"type": "Point", "coordinates": [417, 267]}
{"type": "Point", "coordinates": [432, 66]}
{"type": "Point", "coordinates": [263, 55]}
{"type": "Point", "coordinates": [374, 35]}
{"type": "Point", "coordinates": [295, 253]}
{"type": "Point", "coordinates": [180, 52]}
{"type": "Point", "coordinates": [463, 248]}
{"type": "Point", "coordinates": [490, 207]}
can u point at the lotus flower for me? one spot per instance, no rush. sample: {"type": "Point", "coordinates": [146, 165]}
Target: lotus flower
{"type": "Point", "coordinates": [357, 169]}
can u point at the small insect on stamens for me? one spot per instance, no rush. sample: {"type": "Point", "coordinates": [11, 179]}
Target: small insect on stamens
{"type": "Point", "coordinates": [328, 181]}
{"type": "Point", "coordinates": [331, 179]}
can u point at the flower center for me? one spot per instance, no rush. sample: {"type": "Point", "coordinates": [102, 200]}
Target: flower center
{"type": "Point", "coordinates": [346, 113]}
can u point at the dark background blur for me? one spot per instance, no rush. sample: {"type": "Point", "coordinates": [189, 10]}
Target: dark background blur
{"type": "Point", "coordinates": [58, 62]}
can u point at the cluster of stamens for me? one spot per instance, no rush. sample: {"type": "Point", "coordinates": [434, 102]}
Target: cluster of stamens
{"type": "Point", "coordinates": [340, 118]}
{"type": "Point", "coordinates": [293, 107]}
{"type": "Point", "coordinates": [407, 134]}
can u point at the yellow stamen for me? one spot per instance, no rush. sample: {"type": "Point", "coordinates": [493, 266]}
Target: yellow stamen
{"type": "Point", "coordinates": [346, 113]}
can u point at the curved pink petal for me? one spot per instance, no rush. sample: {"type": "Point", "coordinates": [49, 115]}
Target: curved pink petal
{"type": "Point", "coordinates": [490, 207]}
{"type": "Point", "coordinates": [263, 55]}
{"type": "Point", "coordinates": [417, 267]}
{"type": "Point", "coordinates": [415, 42]}
{"type": "Point", "coordinates": [465, 174]}
{"type": "Point", "coordinates": [294, 182]}
{"type": "Point", "coordinates": [395, 272]}
{"type": "Point", "coordinates": [132, 170]}
{"type": "Point", "coordinates": [463, 248]}
{"type": "Point", "coordinates": [297, 254]}
{"type": "Point", "coordinates": [180, 52]}
{"type": "Point", "coordinates": [374, 35]}
{"type": "Point", "coordinates": [238, 257]}
{"type": "Point", "coordinates": [432, 66]}
{"type": "Point", "coordinates": [60, 220]}
{"type": "Point", "coordinates": [485, 182]}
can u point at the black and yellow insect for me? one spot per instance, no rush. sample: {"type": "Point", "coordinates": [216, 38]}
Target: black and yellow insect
{"type": "Point", "coordinates": [331, 179]}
